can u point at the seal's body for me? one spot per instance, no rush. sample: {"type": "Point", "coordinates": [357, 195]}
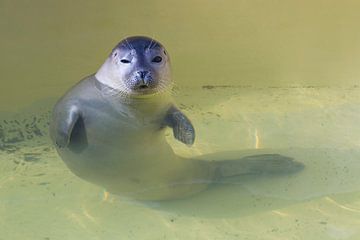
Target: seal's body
{"type": "Point", "coordinates": [109, 129]}
{"type": "Point", "coordinates": [112, 133]}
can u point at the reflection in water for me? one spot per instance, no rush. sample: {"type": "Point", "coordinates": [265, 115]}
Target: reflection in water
{"type": "Point", "coordinates": [257, 139]}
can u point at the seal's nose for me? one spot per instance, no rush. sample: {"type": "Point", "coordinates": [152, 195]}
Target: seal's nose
{"type": "Point", "coordinates": [142, 74]}
{"type": "Point", "coordinates": [144, 79]}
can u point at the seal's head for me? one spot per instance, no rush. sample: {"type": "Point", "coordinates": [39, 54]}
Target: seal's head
{"type": "Point", "coordinates": [137, 66]}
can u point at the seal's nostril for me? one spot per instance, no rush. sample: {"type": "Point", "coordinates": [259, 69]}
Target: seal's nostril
{"type": "Point", "coordinates": [142, 74]}
{"type": "Point", "coordinates": [143, 83]}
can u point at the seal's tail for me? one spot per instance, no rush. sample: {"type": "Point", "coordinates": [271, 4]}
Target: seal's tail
{"type": "Point", "coordinates": [258, 164]}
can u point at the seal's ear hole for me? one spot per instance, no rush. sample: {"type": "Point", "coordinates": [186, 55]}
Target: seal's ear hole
{"type": "Point", "coordinates": [115, 53]}
{"type": "Point", "coordinates": [165, 52]}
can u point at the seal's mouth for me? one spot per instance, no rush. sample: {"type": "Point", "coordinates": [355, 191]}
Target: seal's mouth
{"type": "Point", "coordinates": [144, 89]}
{"type": "Point", "coordinates": [143, 86]}
{"type": "Point", "coordinates": [142, 82]}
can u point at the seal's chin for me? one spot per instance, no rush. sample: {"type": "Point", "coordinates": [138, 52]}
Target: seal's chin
{"type": "Point", "coordinates": [143, 90]}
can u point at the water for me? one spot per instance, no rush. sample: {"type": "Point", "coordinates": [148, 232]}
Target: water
{"type": "Point", "coordinates": [254, 77]}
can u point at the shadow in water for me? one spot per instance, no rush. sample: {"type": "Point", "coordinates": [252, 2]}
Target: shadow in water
{"type": "Point", "coordinates": [328, 172]}
{"type": "Point", "coordinates": [229, 196]}
{"type": "Point", "coordinates": [223, 200]}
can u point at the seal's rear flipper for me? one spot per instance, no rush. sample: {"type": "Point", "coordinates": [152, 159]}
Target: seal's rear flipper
{"type": "Point", "coordinates": [258, 164]}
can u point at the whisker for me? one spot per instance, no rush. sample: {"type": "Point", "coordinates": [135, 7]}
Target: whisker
{"type": "Point", "coordinates": [149, 47]}
{"type": "Point", "coordinates": [129, 45]}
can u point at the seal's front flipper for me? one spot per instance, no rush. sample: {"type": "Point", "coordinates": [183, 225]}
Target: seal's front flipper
{"type": "Point", "coordinates": [78, 139]}
{"type": "Point", "coordinates": [182, 128]}
{"type": "Point", "coordinates": [65, 120]}
{"type": "Point", "coordinates": [258, 164]}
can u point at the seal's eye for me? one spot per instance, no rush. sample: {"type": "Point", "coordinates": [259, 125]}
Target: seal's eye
{"type": "Point", "coordinates": [157, 59]}
{"type": "Point", "coordinates": [124, 61]}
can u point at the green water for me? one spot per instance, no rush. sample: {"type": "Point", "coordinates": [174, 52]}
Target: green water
{"type": "Point", "coordinates": [253, 76]}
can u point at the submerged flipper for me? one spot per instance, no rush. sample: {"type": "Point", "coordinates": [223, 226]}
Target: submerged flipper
{"type": "Point", "coordinates": [182, 128]}
{"type": "Point", "coordinates": [258, 164]}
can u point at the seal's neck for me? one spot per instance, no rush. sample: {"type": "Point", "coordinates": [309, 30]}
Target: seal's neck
{"type": "Point", "coordinates": [140, 107]}
{"type": "Point", "coordinates": [105, 74]}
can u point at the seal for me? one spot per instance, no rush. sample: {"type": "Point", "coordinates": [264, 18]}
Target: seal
{"type": "Point", "coordinates": [109, 128]}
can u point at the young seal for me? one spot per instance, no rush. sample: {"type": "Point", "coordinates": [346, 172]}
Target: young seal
{"type": "Point", "coordinates": [109, 128]}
